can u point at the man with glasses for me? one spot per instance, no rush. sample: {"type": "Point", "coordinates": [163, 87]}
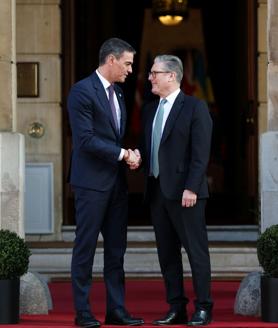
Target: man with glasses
{"type": "Point", "coordinates": [175, 152]}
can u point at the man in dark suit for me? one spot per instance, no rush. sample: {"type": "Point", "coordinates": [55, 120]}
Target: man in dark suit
{"type": "Point", "coordinates": [175, 152]}
{"type": "Point", "coordinates": [98, 117]}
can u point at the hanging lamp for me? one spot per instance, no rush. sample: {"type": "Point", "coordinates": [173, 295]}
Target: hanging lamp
{"type": "Point", "coordinates": [170, 12]}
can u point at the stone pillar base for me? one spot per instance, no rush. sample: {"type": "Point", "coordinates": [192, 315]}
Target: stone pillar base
{"type": "Point", "coordinates": [12, 173]}
{"type": "Point", "coordinates": [35, 297]}
{"type": "Point", "coordinates": [269, 179]}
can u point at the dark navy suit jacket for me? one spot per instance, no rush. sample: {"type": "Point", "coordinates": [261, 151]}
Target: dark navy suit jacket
{"type": "Point", "coordinates": [96, 141]}
{"type": "Point", "coordinates": [184, 148]}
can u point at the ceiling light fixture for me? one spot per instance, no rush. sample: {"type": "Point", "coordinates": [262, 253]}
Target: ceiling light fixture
{"type": "Point", "coordinates": [169, 12]}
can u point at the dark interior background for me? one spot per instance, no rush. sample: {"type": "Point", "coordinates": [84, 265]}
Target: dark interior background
{"type": "Point", "coordinates": [227, 46]}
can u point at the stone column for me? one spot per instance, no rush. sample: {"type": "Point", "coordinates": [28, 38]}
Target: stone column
{"type": "Point", "coordinates": [269, 140]}
{"type": "Point", "coordinates": [12, 164]}
{"type": "Point", "coordinates": [269, 179]}
{"type": "Point", "coordinates": [12, 167]}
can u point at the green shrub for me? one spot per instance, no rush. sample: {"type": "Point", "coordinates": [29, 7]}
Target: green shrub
{"type": "Point", "coordinates": [14, 255]}
{"type": "Point", "coordinates": [267, 250]}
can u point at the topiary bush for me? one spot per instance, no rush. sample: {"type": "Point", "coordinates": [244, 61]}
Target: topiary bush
{"type": "Point", "coordinates": [14, 255]}
{"type": "Point", "coordinates": [267, 251]}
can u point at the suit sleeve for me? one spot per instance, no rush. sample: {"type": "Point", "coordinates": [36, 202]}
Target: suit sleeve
{"type": "Point", "coordinates": [82, 124]}
{"type": "Point", "coordinates": [201, 130]}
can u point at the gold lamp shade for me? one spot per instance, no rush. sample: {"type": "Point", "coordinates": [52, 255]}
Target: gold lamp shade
{"type": "Point", "coordinates": [169, 12]}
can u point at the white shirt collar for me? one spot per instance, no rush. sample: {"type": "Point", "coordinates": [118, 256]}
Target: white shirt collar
{"type": "Point", "coordinates": [172, 97]}
{"type": "Point", "coordinates": [103, 80]}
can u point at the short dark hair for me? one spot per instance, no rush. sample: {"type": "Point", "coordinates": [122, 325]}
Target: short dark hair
{"type": "Point", "coordinates": [114, 46]}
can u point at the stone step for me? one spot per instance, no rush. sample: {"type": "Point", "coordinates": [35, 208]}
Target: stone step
{"type": "Point", "coordinates": [233, 254]}
{"type": "Point", "coordinates": [228, 262]}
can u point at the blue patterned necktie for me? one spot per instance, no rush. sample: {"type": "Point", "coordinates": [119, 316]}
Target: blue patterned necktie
{"type": "Point", "coordinates": [112, 104]}
{"type": "Point", "coordinates": [156, 137]}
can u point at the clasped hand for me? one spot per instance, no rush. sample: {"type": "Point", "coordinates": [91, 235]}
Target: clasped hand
{"type": "Point", "coordinates": [133, 158]}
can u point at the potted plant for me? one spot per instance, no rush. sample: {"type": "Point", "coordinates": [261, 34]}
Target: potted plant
{"type": "Point", "coordinates": [14, 261]}
{"type": "Point", "coordinates": [267, 250]}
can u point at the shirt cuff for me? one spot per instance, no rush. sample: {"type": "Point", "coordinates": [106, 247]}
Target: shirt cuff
{"type": "Point", "coordinates": [121, 154]}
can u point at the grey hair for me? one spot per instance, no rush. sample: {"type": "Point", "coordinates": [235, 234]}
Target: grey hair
{"type": "Point", "coordinates": [114, 46]}
{"type": "Point", "coordinates": [171, 63]}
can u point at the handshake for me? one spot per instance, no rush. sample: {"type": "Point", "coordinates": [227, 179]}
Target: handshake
{"type": "Point", "coordinates": [132, 158]}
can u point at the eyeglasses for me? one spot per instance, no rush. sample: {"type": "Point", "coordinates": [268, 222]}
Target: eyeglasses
{"type": "Point", "coordinates": [152, 74]}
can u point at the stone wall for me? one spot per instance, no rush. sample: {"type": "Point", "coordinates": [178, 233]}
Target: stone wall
{"type": "Point", "coordinates": [269, 139]}
{"type": "Point", "coordinates": [262, 66]}
{"type": "Point", "coordinates": [11, 143]}
{"type": "Point", "coordinates": [7, 65]}
{"type": "Point", "coordinates": [38, 39]}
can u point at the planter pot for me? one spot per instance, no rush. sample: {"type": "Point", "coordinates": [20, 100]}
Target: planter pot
{"type": "Point", "coordinates": [9, 301]}
{"type": "Point", "coordinates": [269, 299]}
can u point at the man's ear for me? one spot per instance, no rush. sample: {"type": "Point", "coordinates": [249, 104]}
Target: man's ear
{"type": "Point", "coordinates": [172, 76]}
{"type": "Point", "coordinates": [110, 59]}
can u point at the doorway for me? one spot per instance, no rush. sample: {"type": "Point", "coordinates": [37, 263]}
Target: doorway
{"type": "Point", "coordinates": [229, 51]}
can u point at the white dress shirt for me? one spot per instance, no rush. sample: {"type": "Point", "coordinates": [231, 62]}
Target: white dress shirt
{"type": "Point", "coordinates": [167, 107]}
{"type": "Point", "coordinates": [106, 84]}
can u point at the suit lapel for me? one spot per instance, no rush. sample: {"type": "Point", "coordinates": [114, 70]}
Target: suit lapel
{"type": "Point", "coordinates": [103, 100]}
{"type": "Point", "coordinates": [175, 110]}
{"type": "Point", "coordinates": [121, 102]}
{"type": "Point", "coordinates": [149, 127]}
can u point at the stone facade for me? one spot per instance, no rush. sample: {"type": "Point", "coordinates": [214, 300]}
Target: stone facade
{"type": "Point", "coordinates": [12, 154]}
{"type": "Point", "coordinates": [31, 32]}
{"type": "Point", "coordinates": [7, 65]}
{"type": "Point", "coordinates": [38, 39]}
{"type": "Point", "coordinates": [269, 144]}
